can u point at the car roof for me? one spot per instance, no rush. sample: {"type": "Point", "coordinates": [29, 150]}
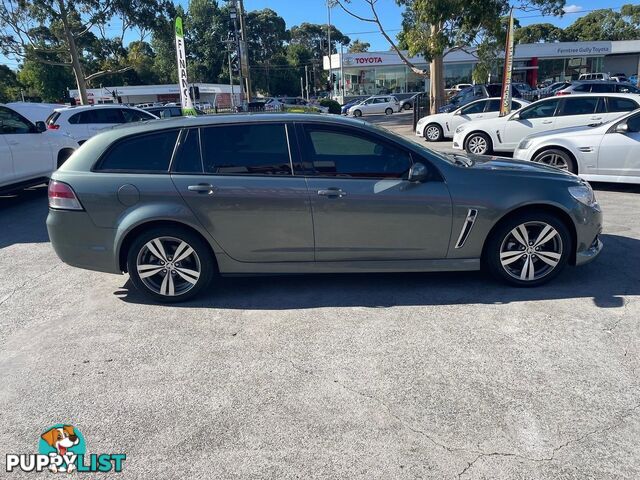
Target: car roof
{"type": "Point", "coordinates": [78, 108]}
{"type": "Point", "coordinates": [600, 82]}
{"type": "Point", "coordinates": [633, 96]}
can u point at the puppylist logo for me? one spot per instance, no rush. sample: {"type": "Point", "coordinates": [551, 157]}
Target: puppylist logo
{"type": "Point", "coordinates": [62, 449]}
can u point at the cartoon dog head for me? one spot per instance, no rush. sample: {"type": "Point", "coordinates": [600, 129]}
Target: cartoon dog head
{"type": "Point", "coordinates": [61, 438]}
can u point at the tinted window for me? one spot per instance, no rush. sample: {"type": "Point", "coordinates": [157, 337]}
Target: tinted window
{"type": "Point", "coordinates": [144, 153]}
{"type": "Point", "coordinates": [494, 105]}
{"type": "Point", "coordinates": [579, 105]}
{"type": "Point", "coordinates": [102, 115]}
{"type": "Point", "coordinates": [602, 88]}
{"type": "Point", "coordinates": [477, 107]}
{"type": "Point", "coordinates": [540, 110]}
{"type": "Point", "coordinates": [627, 89]}
{"type": "Point", "coordinates": [583, 87]}
{"type": "Point", "coordinates": [621, 104]}
{"type": "Point", "coordinates": [345, 154]}
{"type": "Point", "coordinates": [246, 149]}
{"type": "Point", "coordinates": [633, 124]}
{"type": "Point", "coordinates": [135, 116]}
{"type": "Point", "coordinates": [12, 122]}
{"type": "Point", "coordinates": [188, 158]}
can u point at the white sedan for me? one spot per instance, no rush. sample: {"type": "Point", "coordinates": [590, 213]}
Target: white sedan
{"type": "Point", "coordinates": [607, 153]}
{"type": "Point", "coordinates": [442, 125]}
{"type": "Point", "coordinates": [386, 104]}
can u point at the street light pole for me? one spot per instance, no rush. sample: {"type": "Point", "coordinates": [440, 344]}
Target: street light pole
{"type": "Point", "coordinates": [329, 44]}
{"type": "Point", "coordinates": [243, 39]}
{"type": "Point", "coordinates": [233, 14]}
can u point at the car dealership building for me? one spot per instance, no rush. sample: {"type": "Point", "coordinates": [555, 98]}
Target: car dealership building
{"type": "Point", "coordinates": [371, 73]}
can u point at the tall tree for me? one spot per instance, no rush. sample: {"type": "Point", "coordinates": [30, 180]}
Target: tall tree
{"type": "Point", "coordinates": [539, 32]}
{"type": "Point", "coordinates": [52, 32]}
{"type": "Point", "coordinates": [605, 24]}
{"type": "Point", "coordinates": [9, 85]}
{"type": "Point", "coordinates": [45, 81]}
{"type": "Point", "coordinates": [434, 28]}
{"type": "Point", "coordinates": [359, 47]}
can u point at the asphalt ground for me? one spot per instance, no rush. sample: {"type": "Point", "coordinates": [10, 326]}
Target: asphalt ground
{"type": "Point", "coordinates": [334, 376]}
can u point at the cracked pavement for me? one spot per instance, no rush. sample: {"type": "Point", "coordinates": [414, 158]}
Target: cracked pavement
{"type": "Point", "coordinates": [354, 376]}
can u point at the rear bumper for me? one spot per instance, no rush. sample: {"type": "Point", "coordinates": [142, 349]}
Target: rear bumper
{"type": "Point", "coordinates": [79, 243]}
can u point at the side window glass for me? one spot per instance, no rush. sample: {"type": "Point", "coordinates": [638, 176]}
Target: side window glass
{"type": "Point", "coordinates": [141, 153]}
{"type": "Point", "coordinates": [494, 106]}
{"type": "Point", "coordinates": [583, 87]}
{"type": "Point", "coordinates": [477, 107]}
{"type": "Point", "coordinates": [13, 123]}
{"type": "Point", "coordinates": [134, 116]}
{"type": "Point", "coordinates": [621, 104]}
{"type": "Point", "coordinates": [579, 105]}
{"type": "Point", "coordinates": [633, 124]}
{"type": "Point", "coordinates": [188, 158]}
{"type": "Point", "coordinates": [75, 119]}
{"type": "Point", "coordinates": [343, 154]}
{"type": "Point", "coordinates": [258, 149]}
{"type": "Point", "coordinates": [540, 110]}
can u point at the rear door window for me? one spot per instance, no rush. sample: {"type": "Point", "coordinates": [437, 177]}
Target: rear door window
{"type": "Point", "coordinates": [102, 115]}
{"type": "Point", "coordinates": [602, 88]}
{"type": "Point", "coordinates": [621, 104]}
{"type": "Point", "coordinates": [258, 149]}
{"type": "Point", "coordinates": [477, 107]}
{"type": "Point", "coordinates": [540, 110]}
{"type": "Point", "coordinates": [580, 105]}
{"type": "Point", "coordinates": [147, 153]}
{"type": "Point", "coordinates": [131, 115]}
{"type": "Point", "coordinates": [627, 89]}
{"type": "Point", "coordinates": [583, 87]}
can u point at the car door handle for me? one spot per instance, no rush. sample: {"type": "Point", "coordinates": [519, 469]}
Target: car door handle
{"type": "Point", "coordinates": [201, 188]}
{"type": "Point", "coordinates": [547, 122]}
{"type": "Point", "coordinates": [596, 118]}
{"type": "Point", "coordinates": [332, 192]}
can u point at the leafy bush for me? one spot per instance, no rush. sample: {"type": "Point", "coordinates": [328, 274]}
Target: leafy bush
{"type": "Point", "coordinates": [334, 107]}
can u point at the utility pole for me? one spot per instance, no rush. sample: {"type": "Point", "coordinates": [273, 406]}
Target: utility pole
{"type": "Point", "coordinates": [306, 79]}
{"type": "Point", "coordinates": [229, 43]}
{"type": "Point", "coordinates": [233, 14]}
{"type": "Point", "coordinates": [243, 40]}
{"type": "Point", "coordinates": [301, 88]}
{"type": "Point", "coordinates": [329, 44]}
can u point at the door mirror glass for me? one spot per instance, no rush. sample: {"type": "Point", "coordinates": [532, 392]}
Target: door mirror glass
{"type": "Point", "coordinates": [40, 126]}
{"type": "Point", "coordinates": [622, 128]}
{"type": "Point", "coordinates": [515, 116]}
{"type": "Point", "coordinates": [418, 172]}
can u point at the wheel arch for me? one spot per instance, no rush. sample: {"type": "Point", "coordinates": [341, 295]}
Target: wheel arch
{"type": "Point", "coordinates": [472, 132]}
{"type": "Point", "coordinates": [562, 215]}
{"type": "Point", "coordinates": [130, 236]}
{"type": "Point", "coordinates": [557, 147]}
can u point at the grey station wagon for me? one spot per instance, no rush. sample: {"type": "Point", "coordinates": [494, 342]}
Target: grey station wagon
{"type": "Point", "coordinates": [174, 202]}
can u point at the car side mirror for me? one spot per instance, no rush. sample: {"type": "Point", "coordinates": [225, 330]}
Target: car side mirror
{"type": "Point", "coordinates": [622, 128]}
{"type": "Point", "coordinates": [41, 126]}
{"type": "Point", "coordinates": [515, 116]}
{"type": "Point", "coordinates": [418, 172]}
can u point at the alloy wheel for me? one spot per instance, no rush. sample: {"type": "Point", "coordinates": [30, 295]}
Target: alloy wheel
{"type": "Point", "coordinates": [477, 145]}
{"type": "Point", "coordinates": [433, 133]}
{"type": "Point", "coordinates": [168, 266]}
{"type": "Point", "coordinates": [553, 160]}
{"type": "Point", "coordinates": [531, 251]}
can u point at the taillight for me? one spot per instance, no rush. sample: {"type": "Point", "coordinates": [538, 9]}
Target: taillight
{"type": "Point", "coordinates": [62, 197]}
{"type": "Point", "coordinates": [53, 126]}
{"type": "Point", "coordinates": [562, 93]}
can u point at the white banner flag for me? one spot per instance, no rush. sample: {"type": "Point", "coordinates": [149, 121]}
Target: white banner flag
{"type": "Point", "coordinates": [185, 99]}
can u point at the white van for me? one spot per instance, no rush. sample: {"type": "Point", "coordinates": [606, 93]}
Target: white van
{"type": "Point", "coordinates": [594, 76]}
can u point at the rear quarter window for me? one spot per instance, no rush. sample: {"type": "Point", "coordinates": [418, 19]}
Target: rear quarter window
{"type": "Point", "coordinates": [145, 153]}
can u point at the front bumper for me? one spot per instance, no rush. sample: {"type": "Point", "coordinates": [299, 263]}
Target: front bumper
{"type": "Point", "coordinates": [588, 223]}
{"type": "Point", "coordinates": [521, 154]}
{"type": "Point", "coordinates": [80, 243]}
{"type": "Point", "coordinates": [589, 255]}
{"type": "Point", "coordinates": [458, 141]}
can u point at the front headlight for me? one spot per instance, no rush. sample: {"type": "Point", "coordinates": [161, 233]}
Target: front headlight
{"type": "Point", "coordinates": [584, 194]}
{"type": "Point", "coordinates": [460, 129]}
{"type": "Point", "coordinates": [524, 144]}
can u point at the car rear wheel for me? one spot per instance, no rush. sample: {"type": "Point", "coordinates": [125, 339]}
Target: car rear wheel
{"type": "Point", "coordinates": [388, 111]}
{"type": "Point", "coordinates": [357, 113]}
{"type": "Point", "coordinates": [407, 106]}
{"type": "Point", "coordinates": [529, 249]}
{"type": "Point", "coordinates": [170, 264]}
{"type": "Point", "coordinates": [557, 158]}
{"type": "Point", "coordinates": [433, 132]}
{"type": "Point", "coordinates": [478, 143]}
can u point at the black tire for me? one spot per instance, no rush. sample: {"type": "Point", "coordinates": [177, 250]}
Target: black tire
{"type": "Point", "coordinates": [406, 106]}
{"type": "Point", "coordinates": [476, 138]}
{"type": "Point", "coordinates": [433, 132]}
{"type": "Point", "coordinates": [357, 113]}
{"type": "Point", "coordinates": [203, 261]}
{"type": "Point", "coordinates": [388, 111]}
{"type": "Point", "coordinates": [503, 246]}
{"type": "Point", "coordinates": [555, 157]}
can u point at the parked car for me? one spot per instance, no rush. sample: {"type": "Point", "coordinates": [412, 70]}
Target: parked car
{"type": "Point", "coordinates": [503, 134]}
{"type": "Point", "coordinates": [549, 90]}
{"type": "Point", "coordinates": [28, 152]}
{"type": "Point", "coordinates": [620, 77]}
{"type": "Point", "coordinates": [442, 125]}
{"type": "Point", "coordinates": [34, 112]}
{"type": "Point", "coordinates": [84, 122]}
{"type": "Point", "coordinates": [167, 112]}
{"type": "Point", "coordinates": [594, 76]}
{"type": "Point", "coordinates": [386, 104]}
{"type": "Point", "coordinates": [606, 153]}
{"type": "Point", "coordinates": [598, 86]}
{"type": "Point", "coordinates": [232, 195]}
{"type": "Point", "coordinates": [344, 109]}
{"type": "Point", "coordinates": [406, 100]}
{"type": "Point", "coordinates": [477, 92]}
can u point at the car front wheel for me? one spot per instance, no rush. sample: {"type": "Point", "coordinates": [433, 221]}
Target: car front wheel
{"type": "Point", "coordinates": [433, 132]}
{"type": "Point", "coordinates": [478, 143]}
{"type": "Point", "coordinates": [170, 264]}
{"type": "Point", "coordinates": [528, 249]}
{"type": "Point", "coordinates": [357, 113]}
{"type": "Point", "coordinates": [557, 158]}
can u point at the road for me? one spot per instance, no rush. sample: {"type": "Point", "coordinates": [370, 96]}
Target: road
{"type": "Point", "coordinates": [335, 376]}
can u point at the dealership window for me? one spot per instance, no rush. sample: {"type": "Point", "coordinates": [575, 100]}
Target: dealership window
{"type": "Point", "coordinates": [457, 73]}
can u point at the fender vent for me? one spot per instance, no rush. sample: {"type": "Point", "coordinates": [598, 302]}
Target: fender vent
{"type": "Point", "coordinates": [472, 214]}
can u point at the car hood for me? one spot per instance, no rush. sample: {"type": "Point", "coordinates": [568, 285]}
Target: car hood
{"type": "Point", "coordinates": [511, 166]}
{"type": "Point", "coordinates": [573, 131]}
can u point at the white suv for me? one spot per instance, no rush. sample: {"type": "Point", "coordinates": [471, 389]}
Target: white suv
{"type": "Point", "coordinates": [28, 152]}
{"type": "Point", "coordinates": [84, 122]}
{"type": "Point", "coordinates": [386, 104]}
{"type": "Point", "coordinates": [503, 134]}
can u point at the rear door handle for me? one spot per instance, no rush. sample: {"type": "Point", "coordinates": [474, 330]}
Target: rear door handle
{"type": "Point", "coordinates": [596, 118]}
{"type": "Point", "coordinates": [202, 188]}
{"type": "Point", "coordinates": [547, 122]}
{"type": "Point", "coordinates": [332, 192]}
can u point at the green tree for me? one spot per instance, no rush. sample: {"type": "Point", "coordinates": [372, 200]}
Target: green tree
{"type": "Point", "coordinates": [605, 24]}
{"type": "Point", "coordinates": [539, 32]}
{"type": "Point", "coordinates": [359, 47]}
{"type": "Point", "coordinates": [9, 85]}
{"type": "Point", "coordinates": [45, 81]}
